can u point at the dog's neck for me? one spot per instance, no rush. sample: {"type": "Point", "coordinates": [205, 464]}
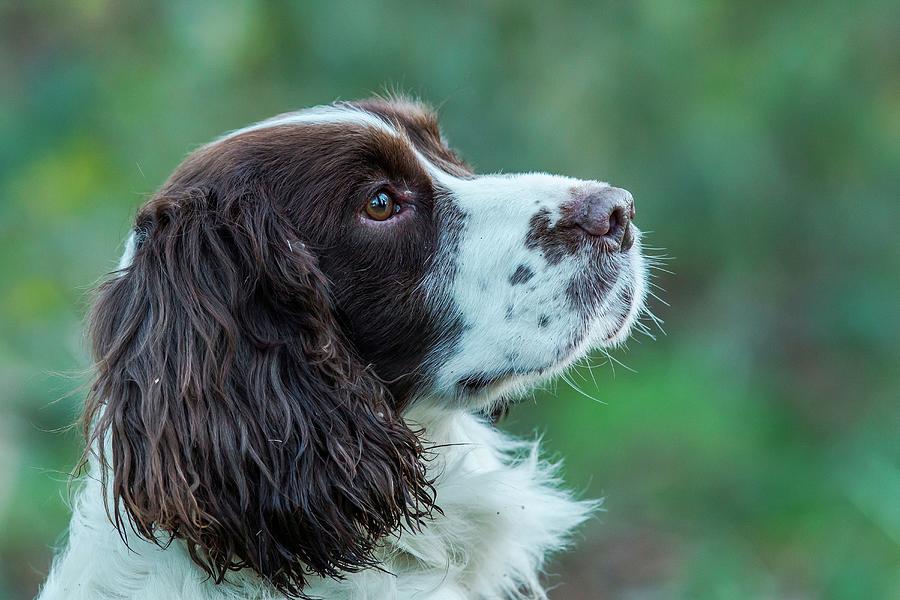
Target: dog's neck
{"type": "Point", "coordinates": [501, 515]}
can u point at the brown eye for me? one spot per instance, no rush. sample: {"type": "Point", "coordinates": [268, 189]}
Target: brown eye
{"type": "Point", "coordinates": [381, 207]}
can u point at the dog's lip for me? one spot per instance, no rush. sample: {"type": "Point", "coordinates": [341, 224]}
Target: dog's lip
{"type": "Point", "coordinates": [478, 382]}
{"type": "Point", "coordinates": [619, 328]}
{"type": "Point", "coordinates": [624, 320]}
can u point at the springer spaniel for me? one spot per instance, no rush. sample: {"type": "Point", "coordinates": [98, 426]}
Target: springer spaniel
{"type": "Point", "coordinates": [297, 359]}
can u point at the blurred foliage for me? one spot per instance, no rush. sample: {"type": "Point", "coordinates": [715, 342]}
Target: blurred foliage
{"type": "Point", "coordinates": [753, 452]}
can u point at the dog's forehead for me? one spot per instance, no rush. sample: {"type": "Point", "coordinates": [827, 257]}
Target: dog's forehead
{"type": "Point", "coordinates": [318, 134]}
{"type": "Point", "coordinates": [408, 122]}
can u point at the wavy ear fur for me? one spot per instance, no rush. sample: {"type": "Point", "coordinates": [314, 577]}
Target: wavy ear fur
{"type": "Point", "coordinates": [228, 410]}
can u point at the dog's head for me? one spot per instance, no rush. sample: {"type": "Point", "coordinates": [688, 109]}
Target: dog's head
{"type": "Point", "coordinates": [293, 288]}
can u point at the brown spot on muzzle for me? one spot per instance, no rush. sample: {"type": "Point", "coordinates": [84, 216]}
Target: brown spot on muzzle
{"type": "Point", "coordinates": [553, 241]}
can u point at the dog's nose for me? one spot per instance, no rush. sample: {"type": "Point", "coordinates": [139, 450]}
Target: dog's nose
{"type": "Point", "coordinates": [606, 212]}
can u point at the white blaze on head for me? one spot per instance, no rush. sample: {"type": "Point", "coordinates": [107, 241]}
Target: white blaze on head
{"type": "Point", "coordinates": [319, 115]}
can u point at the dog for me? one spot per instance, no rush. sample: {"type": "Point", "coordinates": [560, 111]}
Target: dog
{"type": "Point", "coordinates": [298, 356]}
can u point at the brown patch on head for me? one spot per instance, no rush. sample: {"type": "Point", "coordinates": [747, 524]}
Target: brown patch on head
{"type": "Point", "coordinates": [320, 176]}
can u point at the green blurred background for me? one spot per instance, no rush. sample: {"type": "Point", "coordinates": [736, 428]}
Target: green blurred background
{"type": "Point", "coordinates": [753, 452]}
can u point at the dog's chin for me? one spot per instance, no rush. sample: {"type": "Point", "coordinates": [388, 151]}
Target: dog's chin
{"type": "Point", "coordinates": [485, 392]}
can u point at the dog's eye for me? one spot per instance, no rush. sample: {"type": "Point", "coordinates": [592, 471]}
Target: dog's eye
{"type": "Point", "coordinates": [381, 207]}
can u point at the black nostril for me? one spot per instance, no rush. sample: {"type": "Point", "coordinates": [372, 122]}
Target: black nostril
{"type": "Point", "coordinates": [615, 221]}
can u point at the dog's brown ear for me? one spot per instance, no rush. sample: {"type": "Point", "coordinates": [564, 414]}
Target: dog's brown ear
{"type": "Point", "coordinates": [229, 412]}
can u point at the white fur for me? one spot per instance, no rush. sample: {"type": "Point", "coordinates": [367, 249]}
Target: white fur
{"type": "Point", "coordinates": [335, 114]}
{"type": "Point", "coordinates": [503, 512]}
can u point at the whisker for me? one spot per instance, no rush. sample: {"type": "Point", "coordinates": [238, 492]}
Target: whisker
{"type": "Point", "coordinates": [609, 361]}
{"type": "Point", "coordinates": [623, 365]}
{"type": "Point", "coordinates": [650, 293]}
{"type": "Point", "coordinates": [579, 390]}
